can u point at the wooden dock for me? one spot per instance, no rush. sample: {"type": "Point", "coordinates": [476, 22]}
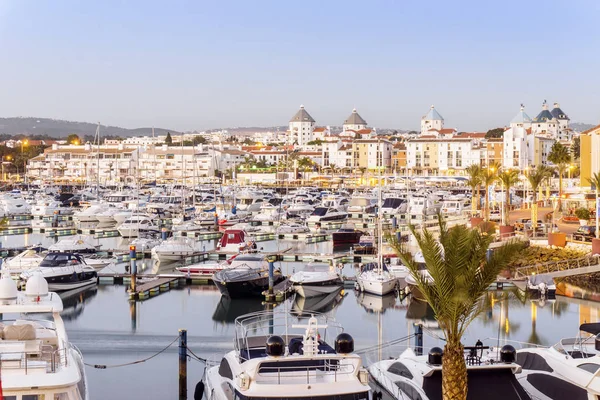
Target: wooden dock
{"type": "Point", "coordinates": [280, 291]}
{"type": "Point", "coordinates": [153, 287]}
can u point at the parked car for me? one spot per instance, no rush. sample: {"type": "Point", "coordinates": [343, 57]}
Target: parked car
{"type": "Point", "coordinates": [585, 233]}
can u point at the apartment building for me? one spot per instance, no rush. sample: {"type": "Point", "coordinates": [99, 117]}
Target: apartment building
{"type": "Point", "coordinates": [589, 154]}
{"type": "Point", "coordinates": [441, 156]}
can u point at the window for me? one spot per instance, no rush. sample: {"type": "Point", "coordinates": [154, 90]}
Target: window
{"type": "Point", "coordinates": [589, 367]}
{"type": "Point", "coordinates": [225, 369]}
{"type": "Point", "coordinates": [398, 368]}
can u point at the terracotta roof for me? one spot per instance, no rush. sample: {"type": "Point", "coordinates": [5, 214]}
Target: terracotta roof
{"type": "Point", "coordinates": [595, 129]}
{"type": "Point", "coordinates": [345, 147]}
{"type": "Point", "coordinates": [83, 150]}
{"type": "Point", "coordinates": [420, 139]}
{"type": "Point", "coordinates": [320, 129]}
{"type": "Point", "coordinates": [309, 153]}
{"type": "Point", "coordinates": [474, 135]}
{"type": "Point", "coordinates": [447, 130]}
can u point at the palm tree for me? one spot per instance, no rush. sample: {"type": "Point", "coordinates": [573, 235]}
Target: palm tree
{"type": "Point", "coordinates": [474, 173]}
{"type": "Point", "coordinates": [488, 177]}
{"type": "Point", "coordinates": [462, 272]}
{"type": "Point", "coordinates": [560, 156]}
{"type": "Point", "coordinates": [595, 181]}
{"type": "Point", "coordinates": [508, 178]}
{"type": "Point", "coordinates": [536, 177]}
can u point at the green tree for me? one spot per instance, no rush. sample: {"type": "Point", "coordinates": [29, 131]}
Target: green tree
{"type": "Point", "coordinates": [316, 142]}
{"type": "Point", "coordinates": [249, 142]}
{"type": "Point", "coordinates": [494, 133]}
{"type": "Point", "coordinates": [560, 156]}
{"type": "Point", "coordinates": [168, 139]}
{"type": "Point", "coordinates": [508, 178]}
{"type": "Point", "coordinates": [576, 148]}
{"type": "Point", "coordinates": [536, 178]}
{"type": "Point", "coordinates": [595, 181]}
{"type": "Point", "coordinates": [199, 140]}
{"type": "Point", "coordinates": [488, 176]}
{"type": "Point", "coordinates": [73, 139]}
{"type": "Point", "coordinates": [462, 272]}
{"type": "Point", "coordinates": [474, 173]}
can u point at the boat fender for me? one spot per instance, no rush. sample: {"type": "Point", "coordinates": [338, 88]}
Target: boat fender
{"type": "Point", "coordinates": [199, 391]}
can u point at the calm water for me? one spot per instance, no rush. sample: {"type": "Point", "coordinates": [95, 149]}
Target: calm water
{"type": "Point", "coordinates": [110, 330]}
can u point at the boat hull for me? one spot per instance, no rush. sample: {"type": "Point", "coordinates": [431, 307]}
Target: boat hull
{"type": "Point", "coordinates": [247, 288]}
{"type": "Point", "coordinates": [345, 238]}
{"type": "Point", "coordinates": [377, 287]}
{"type": "Point", "coordinates": [313, 289]}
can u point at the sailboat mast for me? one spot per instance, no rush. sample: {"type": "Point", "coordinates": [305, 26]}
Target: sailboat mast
{"type": "Point", "coordinates": [98, 160]}
{"type": "Point", "coordinates": [379, 212]}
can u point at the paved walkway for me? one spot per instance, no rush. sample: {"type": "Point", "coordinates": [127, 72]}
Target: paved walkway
{"type": "Point", "coordinates": [542, 211]}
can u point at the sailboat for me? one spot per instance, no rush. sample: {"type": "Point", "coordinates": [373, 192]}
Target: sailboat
{"type": "Point", "coordinates": [375, 278]}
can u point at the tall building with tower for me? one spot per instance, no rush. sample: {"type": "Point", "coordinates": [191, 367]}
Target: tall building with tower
{"type": "Point", "coordinates": [301, 127]}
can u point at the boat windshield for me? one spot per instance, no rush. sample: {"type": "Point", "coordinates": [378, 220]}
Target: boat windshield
{"type": "Point", "coordinates": [392, 202]}
{"type": "Point", "coordinates": [57, 259]}
{"type": "Point", "coordinates": [320, 211]}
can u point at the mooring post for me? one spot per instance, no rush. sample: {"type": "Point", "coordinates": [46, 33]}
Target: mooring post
{"type": "Point", "coordinates": [163, 234]}
{"type": "Point", "coordinates": [182, 364]}
{"type": "Point", "coordinates": [132, 260]}
{"type": "Point", "coordinates": [418, 339]}
{"type": "Point", "coordinates": [271, 274]}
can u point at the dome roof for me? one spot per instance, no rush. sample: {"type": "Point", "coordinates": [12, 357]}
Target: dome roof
{"type": "Point", "coordinates": [36, 285]}
{"type": "Point", "coordinates": [355, 119]}
{"type": "Point", "coordinates": [558, 113]}
{"type": "Point", "coordinates": [543, 116]}
{"type": "Point", "coordinates": [8, 288]}
{"type": "Point", "coordinates": [302, 116]}
{"type": "Point", "coordinates": [521, 117]}
{"type": "Point", "coordinates": [433, 115]}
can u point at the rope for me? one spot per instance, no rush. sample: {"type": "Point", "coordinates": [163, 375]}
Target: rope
{"type": "Point", "coordinates": [103, 366]}
{"type": "Point", "coordinates": [386, 344]}
{"type": "Point", "coordinates": [193, 355]}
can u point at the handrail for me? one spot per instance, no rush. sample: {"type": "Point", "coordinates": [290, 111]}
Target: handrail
{"type": "Point", "coordinates": [547, 267]}
{"type": "Point", "coordinates": [326, 368]}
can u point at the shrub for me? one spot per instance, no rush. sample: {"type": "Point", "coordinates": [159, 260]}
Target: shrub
{"type": "Point", "coordinates": [583, 213]}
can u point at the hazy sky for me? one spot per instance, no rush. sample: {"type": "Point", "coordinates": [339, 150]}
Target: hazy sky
{"type": "Point", "coordinates": [206, 64]}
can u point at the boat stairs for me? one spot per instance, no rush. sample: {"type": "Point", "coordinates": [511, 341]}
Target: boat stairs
{"type": "Point", "coordinates": [560, 269]}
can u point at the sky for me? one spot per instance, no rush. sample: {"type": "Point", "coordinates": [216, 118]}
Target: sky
{"type": "Point", "coordinates": [208, 64]}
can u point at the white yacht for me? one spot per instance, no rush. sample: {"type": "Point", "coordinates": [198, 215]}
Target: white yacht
{"type": "Point", "coordinates": [300, 206]}
{"type": "Point", "coordinates": [362, 204]}
{"type": "Point", "coordinates": [27, 259]}
{"type": "Point", "coordinates": [411, 282]}
{"type": "Point", "coordinates": [49, 207]}
{"type": "Point", "coordinates": [137, 224]}
{"type": "Point", "coordinates": [570, 367]}
{"type": "Point", "coordinates": [13, 204]}
{"type": "Point", "coordinates": [491, 374]}
{"type": "Point", "coordinates": [376, 279]}
{"type": "Point", "coordinates": [64, 271]}
{"type": "Point", "coordinates": [75, 244]}
{"type": "Point", "coordinates": [174, 249]}
{"type": "Point", "coordinates": [394, 205]}
{"type": "Point", "coordinates": [316, 280]}
{"type": "Point", "coordinates": [277, 356]}
{"type": "Point", "coordinates": [90, 214]}
{"type": "Point", "coordinates": [291, 227]}
{"type": "Point", "coordinates": [454, 206]}
{"type": "Point", "coordinates": [326, 214]}
{"type": "Point", "coordinates": [108, 215]}
{"type": "Point", "coordinates": [38, 362]}
{"type": "Point", "coordinates": [269, 212]}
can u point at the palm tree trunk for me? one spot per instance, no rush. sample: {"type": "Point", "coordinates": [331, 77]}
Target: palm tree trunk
{"type": "Point", "coordinates": [454, 371]}
{"type": "Point", "coordinates": [486, 209]}
{"type": "Point", "coordinates": [597, 214]}
{"type": "Point", "coordinates": [560, 187]}
{"type": "Point", "coordinates": [478, 196]}
{"type": "Point", "coordinates": [506, 221]}
{"type": "Point", "coordinates": [534, 211]}
{"type": "Point", "coordinates": [473, 202]}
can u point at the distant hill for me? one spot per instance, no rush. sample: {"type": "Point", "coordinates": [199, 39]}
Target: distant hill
{"type": "Point", "coordinates": [579, 127]}
{"type": "Point", "coordinates": [31, 126]}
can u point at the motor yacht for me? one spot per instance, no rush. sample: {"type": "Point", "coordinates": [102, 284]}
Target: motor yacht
{"type": "Point", "coordinates": [38, 362]}
{"type": "Point", "coordinates": [136, 225]}
{"type": "Point", "coordinates": [75, 244]}
{"type": "Point", "coordinates": [347, 235]}
{"type": "Point", "coordinates": [107, 217]}
{"type": "Point", "coordinates": [567, 370]}
{"type": "Point", "coordinates": [64, 271]}
{"type": "Point", "coordinates": [27, 259]}
{"type": "Point", "coordinates": [541, 285]}
{"type": "Point", "coordinates": [174, 249]}
{"type": "Point", "coordinates": [316, 280]}
{"type": "Point", "coordinates": [300, 206]}
{"type": "Point", "coordinates": [279, 356]}
{"type": "Point", "coordinates": [248, 276]}
{"type": "Point", "coordinates": [362, 204]}
{"type": "Point", "coordinates": [411, 282]}
{"type": "Point", "coordinates": [232, 241]}
{"type": "Point", "coordinates": [292, 227]}
{"type": "Point", "coordinates": [203, 270]}
{"type": "Point", "coordinates": [49, 207]}
{"type": "Point", "coordinates": [326, 214]}
{"type": "Point", "coordinates": [90, 213]}
{"type": "Point", "coordinates": [394, 205]}
{"type": "Point", "coordinates": [13, 204]}
{"type": "Point", "coordinates": [269, 212]}
{"type": "Point", "coordinates": [145, 243]}
{"type": "Point", "coordinates": [491, 374]}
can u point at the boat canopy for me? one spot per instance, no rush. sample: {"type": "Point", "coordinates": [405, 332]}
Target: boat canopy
{"type": "Point", "coordinates": [593, 328]}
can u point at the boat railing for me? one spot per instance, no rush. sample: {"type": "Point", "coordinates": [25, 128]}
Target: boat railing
{"type": "Point", "coordinates": [268, 323]}
{"type": "Point", "coordinates": [332, 368]}
{"type": "Point", "coordinates": [388, 384]}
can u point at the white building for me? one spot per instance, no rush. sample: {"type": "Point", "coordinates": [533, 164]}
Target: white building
{"type": "Point", "coordinates": [521, 120]}
{"type": "Point", "coordinates": [433, 120]}
{"type": "Point", "coordinates": [354, 122]}
{"type": "Point", "coordinates": [301, 127]}
{"type": "Point", "coordinates": [515, 151]}
{"type": "Point", "coordinates": [336, 152]}
{"type": "Point", "coordinates": [430, 156]}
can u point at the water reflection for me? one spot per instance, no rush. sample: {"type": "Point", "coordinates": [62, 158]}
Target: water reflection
{"type": "Point", "coordinates": [303, 306]}
{"type": "Point", "coordinates": [74, 301]}
{"type": "Point", "coordinates": [228, 310]}
{"type": "Point", "coordinates": [378, 304]}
